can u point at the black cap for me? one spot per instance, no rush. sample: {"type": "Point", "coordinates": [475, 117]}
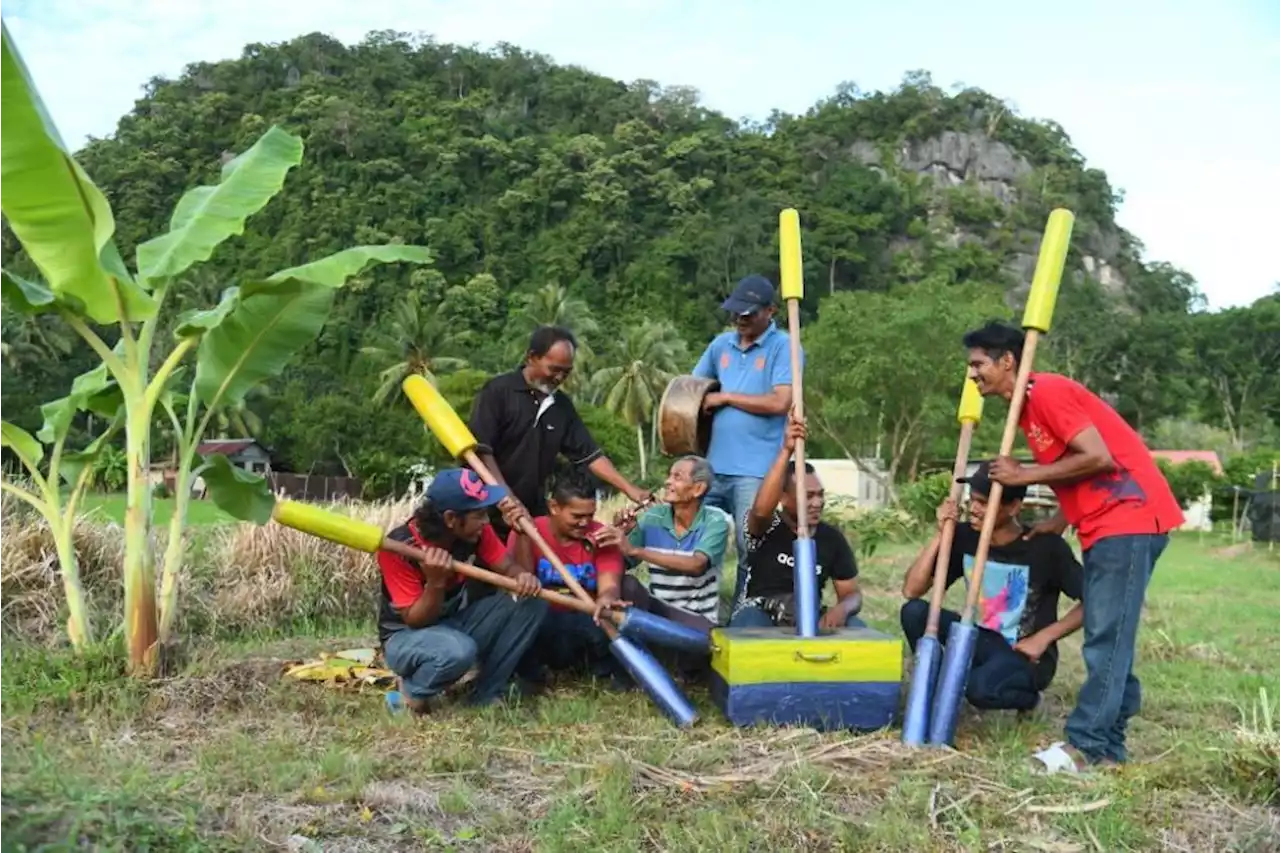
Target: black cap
{"type": "Point", "coordinates": [752, 293]}
{"type": "Point", "coordinates": [980, 481]}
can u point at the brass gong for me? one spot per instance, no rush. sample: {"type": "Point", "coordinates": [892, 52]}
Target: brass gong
{"type": "Point", "coordinates": [683, 428]}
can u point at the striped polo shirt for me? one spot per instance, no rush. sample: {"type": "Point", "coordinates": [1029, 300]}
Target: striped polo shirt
{"type": "Point", "coordinates": [709, 535]}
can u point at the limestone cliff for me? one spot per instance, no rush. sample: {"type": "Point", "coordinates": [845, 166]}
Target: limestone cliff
{"type": "Point", "coordinates": [955, 159]}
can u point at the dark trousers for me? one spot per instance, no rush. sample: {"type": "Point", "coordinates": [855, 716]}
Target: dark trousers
{"type": "Point", "coordinates": [754, 617]}
{"type": "Point", "coordinates": [1117, 570]}
{"type": "Point", "coordinates": [734, 493]}
{"type": "Point", "coordinates": [569, 640]}
{"type": "Point", "coordinates": [689, 665]}
{"type": "Point", "coordinates": [496, 631]}
{"type": "Point", "coordinates": [999, 678]}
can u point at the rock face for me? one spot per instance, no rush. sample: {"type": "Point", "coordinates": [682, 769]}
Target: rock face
{"type": "Point", "coordinates": [955, 158]}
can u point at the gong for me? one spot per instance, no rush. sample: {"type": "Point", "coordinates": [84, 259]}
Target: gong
{"type": "Point", "coordinates": [683, 428]}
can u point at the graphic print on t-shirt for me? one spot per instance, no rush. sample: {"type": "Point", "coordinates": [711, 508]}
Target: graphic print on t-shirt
{"type": "Point", "coordinates": [1003, 596]}
{"type": "Point", "coordinates": [583, 573]}
{"type": "Point", "coordinates": [1118, 486]}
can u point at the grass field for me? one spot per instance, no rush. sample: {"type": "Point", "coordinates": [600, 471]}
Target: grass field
{"type": "Point", "coordinates": [229, 757]}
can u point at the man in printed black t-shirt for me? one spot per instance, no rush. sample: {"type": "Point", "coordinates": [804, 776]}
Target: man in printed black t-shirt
{"type": "Point", "coordinates": [770, 534]}
{"type": "Point", "coordinates": [432, 627]}
{"type": "Point", "coordinates": [1017, 652]}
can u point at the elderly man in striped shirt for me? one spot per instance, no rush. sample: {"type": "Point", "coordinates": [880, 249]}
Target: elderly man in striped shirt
{"type": "Point", "coordinates": [683, 542]}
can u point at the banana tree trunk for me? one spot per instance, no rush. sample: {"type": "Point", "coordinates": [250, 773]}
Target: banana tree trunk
{"type": "Point", "coordinates": [139, 561]}
{"type": "Point", "coordinates": [175, 550]}
{"type": "Point", "coordinates": [79, 629]}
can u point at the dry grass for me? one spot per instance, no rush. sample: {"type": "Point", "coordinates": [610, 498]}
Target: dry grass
{"type": "Point", "coordinates": [31, 579]}
{"type": "Point", "coordinates": [237, 577]}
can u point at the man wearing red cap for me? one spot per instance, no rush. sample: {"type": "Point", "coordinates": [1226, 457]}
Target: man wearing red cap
{"type": "Point", "coordinates": [432, 626]}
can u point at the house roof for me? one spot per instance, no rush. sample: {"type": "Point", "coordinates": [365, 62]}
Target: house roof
{"type": "Point", "coordinates": [225, 446]}
{"type": "Point", "coordinates": [1177, 457]}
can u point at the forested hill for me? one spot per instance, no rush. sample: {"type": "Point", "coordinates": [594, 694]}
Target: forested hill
{"type": "Point", "coordinates": [628, 210]}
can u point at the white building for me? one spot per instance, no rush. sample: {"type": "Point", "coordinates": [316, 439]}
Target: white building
{"type": "Point", "coordinates": [850, 480]}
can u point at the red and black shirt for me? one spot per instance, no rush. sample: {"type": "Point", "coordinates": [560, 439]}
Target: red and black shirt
{"type": "Point", "coordinates": [1133, 499]}
{"type": "Point", "coordinates": [403, 582]}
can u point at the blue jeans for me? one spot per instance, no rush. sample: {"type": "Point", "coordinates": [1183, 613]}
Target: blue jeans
{"type": "Point", "coordinates": [735, 494]}
{"type": "Point", "coordinates": [1117, 570]}
{"type": "Point", "coordinates": [999, 677]}
{"type": "Point", "coordinates": [496, 631]}
{"type": "Point", "coordinates": [754, 617]}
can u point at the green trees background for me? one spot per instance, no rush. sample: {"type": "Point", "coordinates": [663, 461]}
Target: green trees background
{"type": "Point", "coordinates": [627, 211]}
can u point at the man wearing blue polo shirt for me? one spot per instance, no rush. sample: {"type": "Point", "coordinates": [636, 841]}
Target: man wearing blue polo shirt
{"type": "Point", "coordinates": [752, 363]}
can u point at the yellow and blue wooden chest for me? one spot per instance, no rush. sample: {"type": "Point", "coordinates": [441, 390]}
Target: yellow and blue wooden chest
{"type": "Point", "coordinates": [850, 678]}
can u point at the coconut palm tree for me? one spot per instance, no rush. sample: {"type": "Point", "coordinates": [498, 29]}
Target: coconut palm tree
{"type": "Point", "coordinates": [415, 341]}
{"type": "Point", "coordinates": [645, 360]}
{"type": "Point", "coordinates": [29, 340]}
{"type": "Point", "coordinates": [551, 305]}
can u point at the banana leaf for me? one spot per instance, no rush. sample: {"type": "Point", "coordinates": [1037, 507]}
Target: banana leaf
{"type": "Point", "coordinates": [207, 215]}
{"type": "Point", "coordinates": [61, 218]}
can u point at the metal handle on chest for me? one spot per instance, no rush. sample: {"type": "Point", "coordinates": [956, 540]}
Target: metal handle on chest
{"type": "Point", "coordinates": [830, 657]}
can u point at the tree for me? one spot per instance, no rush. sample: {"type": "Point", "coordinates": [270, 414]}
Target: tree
{"type": "Point", "coordinates": [632, 202]}
{"type": "Point", "coordinates": [67, 229]}
{"type": "Point", "coordinates": [30, 340]}
{"type": "Point", "coordinates": [416, 340]}
{"type": "Point", "coordinates": [644, 362]}
{"type": "Point", "coordinates": [1238, 353]}
{"type": "Point", "coordinates": [885, 369]}
{"type": "Point", "coordinates": [1189, 481]}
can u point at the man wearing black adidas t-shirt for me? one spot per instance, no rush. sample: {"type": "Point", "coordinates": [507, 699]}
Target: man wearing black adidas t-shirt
{"type": "Point", "coordinates": [1017, 649]}
{"type": "Point", "coordinates": [770, 535]}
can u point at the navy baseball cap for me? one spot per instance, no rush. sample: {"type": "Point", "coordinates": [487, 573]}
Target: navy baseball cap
{"type": "Point", "coordinates": [752, 293]}
{"type": "Point", "coordinates": [462, 490]}
{"type": "Point", "coordinates": [980, 481]}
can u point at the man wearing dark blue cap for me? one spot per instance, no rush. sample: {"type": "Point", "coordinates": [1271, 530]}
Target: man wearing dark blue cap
{"type": "Point", "coordinates": [432, 627]}
{"type": "Point", "coordinates": [752, 363]}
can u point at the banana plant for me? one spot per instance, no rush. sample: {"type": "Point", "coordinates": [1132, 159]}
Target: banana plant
{"type": "Point", "coordinates": [56, 505]}
{"type": "Point", "coordinates": [66, 229]}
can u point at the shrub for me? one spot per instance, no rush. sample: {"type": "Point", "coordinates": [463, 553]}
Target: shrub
{"type": "Point", "coordinates": [921, 499]}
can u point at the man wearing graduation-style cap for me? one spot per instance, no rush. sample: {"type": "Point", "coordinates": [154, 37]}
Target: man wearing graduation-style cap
{"type": "Point", "coordinates": [752, 363]}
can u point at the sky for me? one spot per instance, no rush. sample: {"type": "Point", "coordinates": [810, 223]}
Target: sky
{"type": "Point", "coordinates": [1168, 97]}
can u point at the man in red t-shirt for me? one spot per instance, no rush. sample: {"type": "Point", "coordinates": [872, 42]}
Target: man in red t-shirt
{"type": "Point", "coordinates": [569, 639]}
{"type": "Point", "coordinates": [1110, 490]}
{"type": "Point", "coordinates": [432, 625]}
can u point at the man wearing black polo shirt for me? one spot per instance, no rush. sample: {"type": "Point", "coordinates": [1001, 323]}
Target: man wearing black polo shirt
{"type": "Point", "coordinates": [524, 422]}
{"type": "Point", "coordinates": [1017, 651]}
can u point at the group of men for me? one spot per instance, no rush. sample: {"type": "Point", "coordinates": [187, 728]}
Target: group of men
{"type": "Point", "coordinates": [439, 631]}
